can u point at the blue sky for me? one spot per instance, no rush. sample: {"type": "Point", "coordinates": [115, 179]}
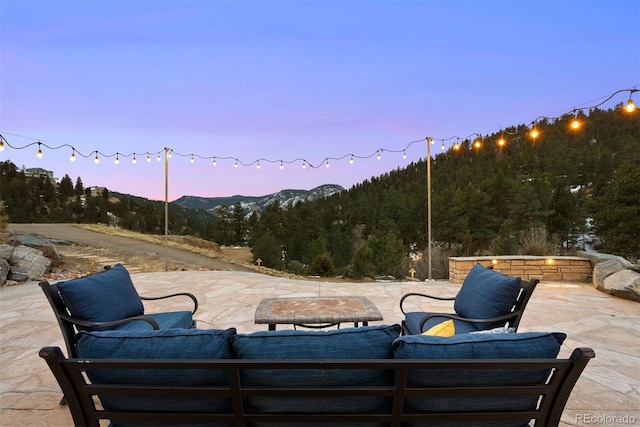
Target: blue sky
{"type": "Point", "coordinates": [287, 80]}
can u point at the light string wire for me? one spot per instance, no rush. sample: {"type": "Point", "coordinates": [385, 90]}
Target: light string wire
{"type": "Point", "coordinates": [477, 137]}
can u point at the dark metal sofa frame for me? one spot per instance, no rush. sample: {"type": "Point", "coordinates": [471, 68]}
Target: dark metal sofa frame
{"type": "Point", "coordinates": [512, 318]}
{"type": "Point", "coordinates": [70, 374]}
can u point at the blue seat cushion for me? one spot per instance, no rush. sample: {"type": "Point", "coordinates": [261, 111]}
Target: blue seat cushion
{"type": "Point", "coordinates": [159, 344]}
{"type": "Point", "coordinates": [370, 342]}
{"type": "Point", "coordinates": [412, 323]}
{"type": "Point", "coordinates": [168, 320]}
{"type": "Point", "coordinates": [102, 297]}
{"type": "Point", "coordinates": [486, 293]}
{"type": "Point", "coordinates": [529, 345]}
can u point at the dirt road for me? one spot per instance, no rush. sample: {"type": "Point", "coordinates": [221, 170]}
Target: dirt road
{"type": "Point", "coordinates": [124, 245]}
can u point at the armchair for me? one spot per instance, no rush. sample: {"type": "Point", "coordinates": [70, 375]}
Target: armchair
{"type": "Point", "coordinates": [487, 299]}
{"type": "Point", "coordinates": [108, 300]}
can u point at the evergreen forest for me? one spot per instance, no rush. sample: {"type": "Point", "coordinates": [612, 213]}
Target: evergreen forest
{"type": "Point", "coordinates": [551, 195]}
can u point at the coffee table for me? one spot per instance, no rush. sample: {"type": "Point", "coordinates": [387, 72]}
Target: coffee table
{"type": "Point", "coordinates": [316, 312]}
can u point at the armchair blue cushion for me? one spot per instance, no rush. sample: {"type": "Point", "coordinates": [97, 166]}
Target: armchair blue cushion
{"type": "Point", "coordinates": [486, 293]}
{"type": "Point", "coordinates": [159, 344]}
{"type": "Point", "coordinates": [370, 342]}
{"type": "Point", "coordinates": [530, 345]}
{"type": "Point", "coordinates": [102, 297]}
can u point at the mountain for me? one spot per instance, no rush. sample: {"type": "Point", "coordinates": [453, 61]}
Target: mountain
{"type": "Point", "coordinates": [258, 203]}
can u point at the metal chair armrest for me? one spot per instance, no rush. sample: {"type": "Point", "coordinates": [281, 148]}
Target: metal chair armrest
{"type": "Point", "coordinates": [411, 294]}
{"type": "Point", "coordinates": [88, 324]}
{"type": "Point", "coordinates": [193, 298]}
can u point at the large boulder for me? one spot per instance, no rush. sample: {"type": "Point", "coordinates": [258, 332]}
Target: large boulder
{"type": "Point", "coordinates": [618, 277]}
{"type": "Point", "coordinates": [6, 251]}
{"type": "Point", "coordinates": [30, 262]}
{"type": "Point", "coordinates": [624, 283]}
{"type": "Point", "coordinates": [5, 267]}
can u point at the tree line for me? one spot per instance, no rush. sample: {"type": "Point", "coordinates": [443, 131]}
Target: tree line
{"type": "Point", "coordinates": [547, 196]}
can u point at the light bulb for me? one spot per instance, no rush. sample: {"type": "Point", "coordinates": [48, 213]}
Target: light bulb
{"type": "Point", "coordinates": [281, 165]}
{"type": "Point", "coordinates": [1, 146]}
{"type": "Point", "coordinates": [258, 166]}
{"type": "Point", "coordinates": [404, 154]}
{"type": "Point", "coordinates": [351, 160]}
{"type": "Point", "coordinates": [117, 161]}
{"type": "Point", "coordinates": [158, 158]}
{"type": "Point", "coordinates": [192, 159]}
{"type": "Point", "coordinates": [630, 106]}
{"type": "Point", "coordinates": [39, 153]}
{"type": "Point", "coordinates": [575, 124]}
{"type": "Point", "coordinates": [215, 162]}
{"type": "Point", "coordinates": [134, 161]}
{"type": "Point", "coordinates": [477, 143]}
{"type": "Point", "coordinates": [534, 133]}
{"type": "Point", "coordinates": [378, 156]}
{"type": "Point", "coordinates": [73, 156]}
{"type": "Point", "coordinates": [97, 159]}
{"type": "Point", "coordinates": [442, 146]}
{"type": "Point", "coordinates": [148, 158]}
{"type": "Point", "coordinates": [501, 142]}
{"type": "Point", "coordinates": [235, 165]}
{"type": "Point", "coordinates": [326, 165]}
{"type": "Point", "coordinates": [304, 164]}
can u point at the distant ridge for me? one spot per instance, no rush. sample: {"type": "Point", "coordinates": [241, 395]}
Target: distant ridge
{"type": "Point", "coordinates": [258, 203]}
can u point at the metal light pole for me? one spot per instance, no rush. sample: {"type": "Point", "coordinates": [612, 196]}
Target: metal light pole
{"type": "Point", "coordinates": [429, 142]}
{"type": "Point", "coordinates": [166, 209]}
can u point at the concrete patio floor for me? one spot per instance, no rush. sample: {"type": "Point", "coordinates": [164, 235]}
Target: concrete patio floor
{"type": "Point", "coordinates": [608, 392]}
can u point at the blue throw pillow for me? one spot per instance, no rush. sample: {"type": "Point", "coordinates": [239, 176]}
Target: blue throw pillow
{"type": "Point", "coordinates": [486, 293]}
{"type": "Point", "coordinates": [102, 297]}
{"type": "Point", "coordinates": [160, 344]}
{"type": "Point", "coordinates": [371, 342]}
{"type": "Point", "coordinates": [528, 345]}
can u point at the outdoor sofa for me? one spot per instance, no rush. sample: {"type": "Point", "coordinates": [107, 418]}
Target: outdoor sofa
{"type": "Point", "coordinates": [368, 376]}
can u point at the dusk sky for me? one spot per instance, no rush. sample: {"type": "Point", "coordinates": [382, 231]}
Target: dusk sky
{"type": "Point", "coordinates": [291, 80]}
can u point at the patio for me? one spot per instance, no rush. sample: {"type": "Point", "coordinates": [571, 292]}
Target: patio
{"type": "Point", "coordinates": [608, 392]}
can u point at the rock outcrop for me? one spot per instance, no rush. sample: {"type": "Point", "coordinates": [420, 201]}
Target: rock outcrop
{"type": "Point", "coordinates": [616, 276]}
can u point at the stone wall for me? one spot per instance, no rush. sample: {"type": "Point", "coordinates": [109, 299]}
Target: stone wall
{"type": "Point", "coordinates": [558, 269]}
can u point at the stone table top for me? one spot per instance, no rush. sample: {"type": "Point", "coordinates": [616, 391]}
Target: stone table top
{"type": "Point", "coordinates": [316, 311]}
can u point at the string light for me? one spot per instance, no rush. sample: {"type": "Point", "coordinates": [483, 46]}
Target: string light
{"type": "Point", "coordinates": [117, 161]}
{"type": "Point", "coordinates": [442, 146]}
{"type": "Point", "coordinates": [533, 132]}
{"type": "Point", "coordinates": [501, 141]}
{"type": "Point", "coordinates": [575, 123]}
{"type": "Point", "coordinates": [326, 165]}
{"type": "Point", "coordinates": [477, 144]}
{"type": "Point", "coordinates": [630, 105]}
{"type": "Point", "coordinates": [134, 161]}
{"type": "Point", "coordinates": [258, 165]}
